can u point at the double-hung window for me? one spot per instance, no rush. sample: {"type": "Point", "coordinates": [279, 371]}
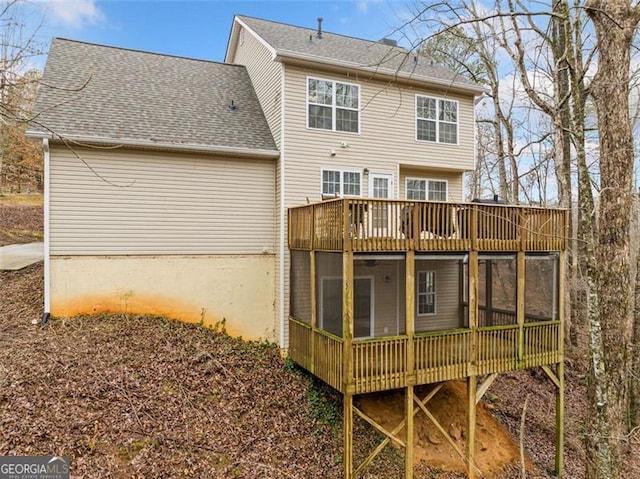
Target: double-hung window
{"type": "Point", "coordinates": [341, 183]}
{"type": "Point", "coordinates": [426, 293]}
{"type": "Point", "coordinates": [436, 120]}
{"type": "Point", "coordinates": [333, 105]}
{"type": "Point", "coordinates": [424, 189]}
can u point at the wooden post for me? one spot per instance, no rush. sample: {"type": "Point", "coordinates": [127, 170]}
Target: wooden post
{"type": "Point", "coordinates": [408, 453]}
{"type": "Point", "coordinates": [347, 432]}
{"type": "Point", "coordinates": [410, 308]}
{"type": "Point", "coordinates": [473, 354]}
{"type": "Point", "coordinates": [314, 311]}
{"type": "Point", "coordinates": [520, 304]}
{"type": "Point", "coordinates": [560, 369]}
{"type": "Point", "coordinates": [473, 311]}
{"type": "Point", "coordinates": [471, 426]}
{"type": "Point", "coordinates": [560, 421]}
{"type": "Point", "coordinates": [347, 364]}
{"type": "Point", "coordinates": [410, 285]}
{"type": "Point", "coordinates": [347, 320]}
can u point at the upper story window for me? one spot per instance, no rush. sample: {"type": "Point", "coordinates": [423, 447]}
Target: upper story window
{"type": "Point", "coordinates": [436, 120]}
{"type": "Point", "coordinates": [341, 183]}
{"type": "Point", "coordinates": [424, 189]}
{"type": "Point", "coordinates": [333, 105]}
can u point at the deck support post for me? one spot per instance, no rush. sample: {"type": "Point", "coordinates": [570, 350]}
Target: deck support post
{"type": "Point", "coordinates": [559, 465]}
{"type": "Point", "coordinates": [408, 450]}
{"type": "Point", "coordinates": [471, 425]}
{"type": "Point", "coordinates": [562, 258]}
{"type": "Point", "coordinates": [347, 434]}
{"type": "Point", "coordinates": [347, 363]}
{"type": "Point", "coordinates": [410, 285]}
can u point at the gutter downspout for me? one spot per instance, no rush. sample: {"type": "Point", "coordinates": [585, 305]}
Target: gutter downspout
{"type": "Point", "coordinates": [283, 210]}
{"type": "Point", "coordinates": [47, 263]}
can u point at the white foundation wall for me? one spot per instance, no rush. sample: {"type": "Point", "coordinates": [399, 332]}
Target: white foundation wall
{"type": "Point", "coordinates": [236, 289]}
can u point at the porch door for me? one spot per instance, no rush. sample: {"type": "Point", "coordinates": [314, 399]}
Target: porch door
{"type": "Point", "coordinates": [380, 187]}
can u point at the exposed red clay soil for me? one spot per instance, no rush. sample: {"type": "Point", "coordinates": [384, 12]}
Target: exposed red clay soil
{"type": "Point", "coordinates": [495, 447]}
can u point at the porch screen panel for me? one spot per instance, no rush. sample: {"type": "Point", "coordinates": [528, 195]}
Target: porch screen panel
{"type": "Point", "coordinates": [541, 287]}
{"type": "Point", "coordinates": [497, 283]}
{"type": "Point", "coordinates": [439, 293]}
{"type": "Point", "coordinates": [329, 292]}
{"type": "Point", "coordinates": [300, 286]}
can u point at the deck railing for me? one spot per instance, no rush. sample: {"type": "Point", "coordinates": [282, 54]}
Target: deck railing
{"type": "Point", "coordinates": [383, 363]}
{"type": "Point", "coordinates": [400, 225]}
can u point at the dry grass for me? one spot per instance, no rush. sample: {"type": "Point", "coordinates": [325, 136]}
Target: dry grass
{"type": "Point", "coordinates": [21, 200]}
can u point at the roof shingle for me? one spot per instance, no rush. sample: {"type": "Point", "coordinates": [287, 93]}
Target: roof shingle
{"type": "Point", "coordinates": [98, 91]}
{"type": "Point", "coordinates": [334, 48]}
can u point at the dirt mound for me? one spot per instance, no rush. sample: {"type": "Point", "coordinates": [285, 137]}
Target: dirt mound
{"type": "Point", "coordinates": [495, 448]}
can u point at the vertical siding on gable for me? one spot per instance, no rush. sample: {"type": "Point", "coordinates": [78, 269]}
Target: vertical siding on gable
{"type": "Point", "coordinates": [135, 202]}
{"type": "Point", "coordinates": [386, 140]}
{"type": "Point", "coordinates": [265, 75]}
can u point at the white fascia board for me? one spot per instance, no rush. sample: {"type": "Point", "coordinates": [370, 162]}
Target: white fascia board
{"type": "Point", "coordinates": [232, 42]}
{"type": "Point", "coordinates": [283, 56]}
{"type": "Point", "coordinates": [78, 140]}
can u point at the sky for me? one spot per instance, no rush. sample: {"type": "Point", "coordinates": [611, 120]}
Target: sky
{"type": "Point", "coordinates": [200, 29]}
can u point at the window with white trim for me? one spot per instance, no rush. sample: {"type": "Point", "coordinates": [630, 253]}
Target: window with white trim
{"type": "Point", "coordinates": [426, 293]}
{"type": "Point", "coordinates": [424, 189]}
{"type": "Point", "coordinates": [436, 120]}
{"type": "Point", "coordinates": [333, 105]}
{"type": "Point", "coordinates": [341, 183]}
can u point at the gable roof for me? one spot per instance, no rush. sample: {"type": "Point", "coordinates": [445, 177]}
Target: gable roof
{"type": "Point", "coordinates": [113, 95]}
{"type": "Point", "coordinates": [291, 43]}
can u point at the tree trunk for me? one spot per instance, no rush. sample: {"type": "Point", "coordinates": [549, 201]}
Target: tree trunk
{"type": "Point", "coordinates": [586, 224]}
{"type": "Point", "coordinates": [612, 320]}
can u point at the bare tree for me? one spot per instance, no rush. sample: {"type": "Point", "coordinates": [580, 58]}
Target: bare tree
{"type": "Point", "coordinates": [18, 84]}
{"type": "Point", "coordinates": [611, 311]}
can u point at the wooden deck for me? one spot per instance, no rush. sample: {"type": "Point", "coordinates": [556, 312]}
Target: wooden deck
{"type": "Point", "coordinates": [493, 340]}
{"type": "Point", "coordinates": [381, 364]}
{"type": "Point", "coordinates": [496, 341]}
{"type": "Point", "coordinates": [369, 225]}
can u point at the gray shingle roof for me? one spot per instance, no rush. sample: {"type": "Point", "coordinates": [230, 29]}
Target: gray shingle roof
{"type": "Point", "coordinates": [335, 48]}
{"type": "Point", "coordinates": [134, 95]}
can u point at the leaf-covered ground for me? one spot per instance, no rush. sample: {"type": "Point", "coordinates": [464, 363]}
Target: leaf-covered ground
{"type": "Point", "coordinates": [21, 219]}
{"type": "Point", "coordinates": [142, 397]}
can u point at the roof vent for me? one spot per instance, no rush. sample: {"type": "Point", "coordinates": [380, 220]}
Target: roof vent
{"type": "Point", "coordinates": [320, 27]}
{"type": "Point", "coordinates": [389, 41]}
{"type": "Point", "coordinates": [232, 106]}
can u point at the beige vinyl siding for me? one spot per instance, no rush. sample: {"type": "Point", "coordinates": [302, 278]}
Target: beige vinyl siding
{"type": "Point", "coordinates": [265, 75]}
{"type": "Point", "coordinates": [385, 143]}
{"type": "Point", "coordinates": [136, 202]}
{"type": "Point", "coordinates": [453, 179]}
{"type": "Point", "coordinates": [448, 310]}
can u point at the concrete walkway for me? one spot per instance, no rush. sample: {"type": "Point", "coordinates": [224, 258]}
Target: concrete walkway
{"type": "Point", "coordinates": [18, 256]}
